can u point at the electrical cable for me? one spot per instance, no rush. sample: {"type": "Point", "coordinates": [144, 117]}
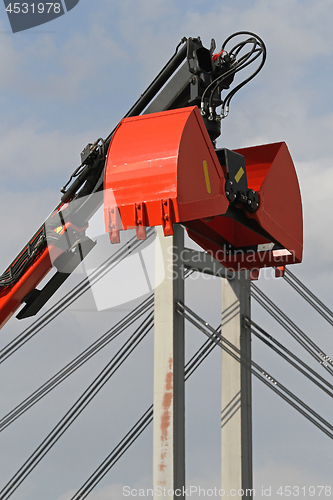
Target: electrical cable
{"type": "Point", "coordinates": [215, 338]}
{"type": "Point", "coordinates": [76, 363]}
{"type": "Point", "coordinates": [144, 421]}
{"type": "Point", "coordinates": [207, 348]}
{"type": "Point", "coordinates": [287, 328]}
{"type": "Point", "coordinates": [308, 291]}
{"type": "Point", "coordinates": [261, 374]}
{"type": "Point", "coordinates": [199, 357]}
{"type": "Point", "coordinates": [309, 296]}
{"type": "Point", "coordinates": [313, 349]}
{"type": "Point", "coordinates": [138, 428]}
{"type": "Point", "coordinates": [115, 455]}
{"type": "Point", "coordinates": [78, 407]}
{"type": "Point", "coordinates": [267, 339]}
{"type": "Point", "coordinates": [70, 297]}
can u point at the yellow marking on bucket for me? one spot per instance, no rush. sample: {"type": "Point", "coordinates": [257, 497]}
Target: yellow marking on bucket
{"type": "Point", "coordinates": [206, 174]}
{"type": "Point", "coordinates": [239, 174]}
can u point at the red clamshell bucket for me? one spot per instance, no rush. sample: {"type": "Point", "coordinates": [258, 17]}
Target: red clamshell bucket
{"type": "Point", "coordinates": [162, 169]}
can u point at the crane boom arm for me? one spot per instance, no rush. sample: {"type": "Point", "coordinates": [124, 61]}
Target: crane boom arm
{"type": "Point", "coordinates": [19, 281]}
{"type": "Point", "coordinates": [61, 242]}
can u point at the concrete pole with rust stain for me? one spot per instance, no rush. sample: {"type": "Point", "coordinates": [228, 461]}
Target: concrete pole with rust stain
{"type": "Point", "coordinates": [169, 396]}
{"type": "Point", "coordinates": [236, 421]}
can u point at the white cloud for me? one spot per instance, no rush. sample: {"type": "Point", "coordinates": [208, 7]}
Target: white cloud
{"type": "Point", "coordinates": [10, 59]}
{"type": "Point", "coordinates": [316, 180]}
{"type": "Point", "coordinates": [64, 68]}
{"type": "Point", "coordinates": [275, 474]}
{"type": "Point", "coordinates": [32, 154]}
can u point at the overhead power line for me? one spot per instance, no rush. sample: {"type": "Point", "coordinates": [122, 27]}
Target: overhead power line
{"type": "Point", "coordinates": [82, 358]}
{"type": "Point", "coordinates": [77, 408]}
{"type": "Point", "coordinates": [71, 296]}
{"type": "Point", "coordinates": [304, 340]}
{"type": "Point", "coordinates": [214, 338]}
{"type": "Point", "coordinates": [309, 296]}
{"type": "Point", "coordinates": [257, 371]}
{"type": "Point", "coordinates": [199, 356]}
{"type": "Point", "coordinates": [145, 306]}
{"type": "Point", "coordinates": [290, 357]}
{"type": "Point", "coordinates": [138, 427]}
{"type": "Point", "coordinates": [115, 455]}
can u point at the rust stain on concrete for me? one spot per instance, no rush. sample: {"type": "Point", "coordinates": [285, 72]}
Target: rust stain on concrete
{"type": "Point", "coordinates": [166, 415]}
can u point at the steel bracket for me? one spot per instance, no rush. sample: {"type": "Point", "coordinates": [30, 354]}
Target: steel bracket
{"type": "Point", "coordinates": [167, 217]}
{"type": "Point", "coordinates": [114, 225]}
{"type": "Point", "coordinates": [140, 217]}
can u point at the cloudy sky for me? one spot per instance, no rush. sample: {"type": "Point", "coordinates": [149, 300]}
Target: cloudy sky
{"type": "Point", "coordinates": [70, 81]}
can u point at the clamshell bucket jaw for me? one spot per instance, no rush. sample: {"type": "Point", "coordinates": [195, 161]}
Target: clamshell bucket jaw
{"type": "Point", "coordinates": [273, 234]}
{"type": "Point", "coordinates": [162, 169]}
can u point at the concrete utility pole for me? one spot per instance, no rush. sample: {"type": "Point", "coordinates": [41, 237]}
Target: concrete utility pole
{"type": "Point", "coordinates": [169, 395]}
{"type": "Point", "coordinates": [236, 418]}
